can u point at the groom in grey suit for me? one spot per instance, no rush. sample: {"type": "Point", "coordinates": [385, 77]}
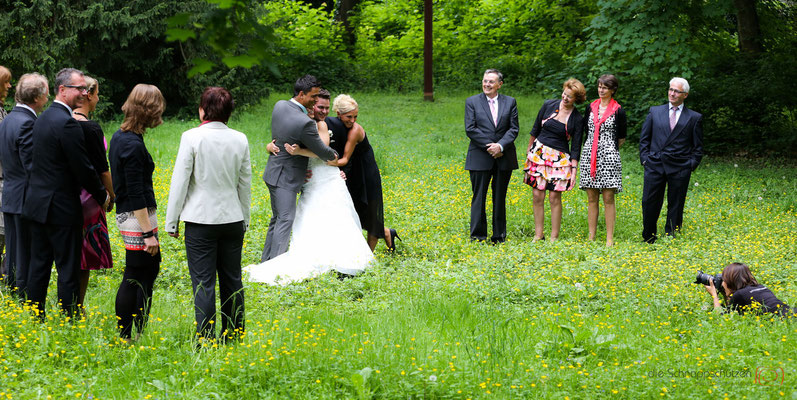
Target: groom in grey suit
{"type": "Point", "coordinates": [284, 174]}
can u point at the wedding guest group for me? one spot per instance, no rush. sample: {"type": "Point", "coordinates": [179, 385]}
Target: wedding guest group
{"type": "Point", "coordinates": [59, 186]}
{"type": "Point", "coordinates": [491, 124]}
{"type": "Point", "coordinates": [60, 169]}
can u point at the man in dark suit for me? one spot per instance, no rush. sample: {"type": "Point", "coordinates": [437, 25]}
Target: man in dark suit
{"type": "Point", "coordinates": [491, 123]}
{"type": "Point", "coordinates": [670, 148]}
{"type": "Point", "coordinates": [52, 203]}
{"type": "Point", "coordinates": [16, 156]}
{"type": "Point", "coordinates": [285, 174]}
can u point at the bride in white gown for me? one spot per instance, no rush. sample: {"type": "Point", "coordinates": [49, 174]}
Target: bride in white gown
{"type": "Point", "coordinates": [326, 230]}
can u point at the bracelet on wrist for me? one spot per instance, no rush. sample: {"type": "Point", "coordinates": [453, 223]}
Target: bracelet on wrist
{"type": "Point", "coordinates": [147, 235]}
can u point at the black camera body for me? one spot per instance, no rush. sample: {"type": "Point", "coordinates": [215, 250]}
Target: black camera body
{"type": "Point", "coordinates": [706, 278]}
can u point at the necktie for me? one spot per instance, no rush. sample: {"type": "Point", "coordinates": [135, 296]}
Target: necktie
{"type": "Point", "coordinates": [673, 114]}
{"type": "Point", "coordinates": [494, 111]}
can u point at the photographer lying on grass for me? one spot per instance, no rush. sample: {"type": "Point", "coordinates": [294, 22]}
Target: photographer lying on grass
{"type": "Point", "coordinates": [743, 293]}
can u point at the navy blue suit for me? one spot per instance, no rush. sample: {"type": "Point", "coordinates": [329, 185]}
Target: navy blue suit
{"type": "Point", "coordinates": [52, 204]}
{"type": "Point", "coordinates": [669, 157]}
{"type": "Point", "coordinates": [16, 156]}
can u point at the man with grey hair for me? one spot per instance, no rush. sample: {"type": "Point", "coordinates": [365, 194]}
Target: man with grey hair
{"type": "Point", "coordinates": [52, 203]}
{"type": "Point", "coordinates": [670, 148]}
{"type": "Point", "coordinates": [16, 156]}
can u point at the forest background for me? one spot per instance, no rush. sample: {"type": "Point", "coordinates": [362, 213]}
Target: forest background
{"type": "Point", "coordinates": [737, 54]}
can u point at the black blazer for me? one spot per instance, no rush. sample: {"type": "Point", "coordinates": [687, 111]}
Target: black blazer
{"type": "Point", "coordinates": [481, 130]}
{"type": "Point", "coordinates": [16, 155]}
{"type": "Point", "coordinates": [559, 142]}
{"type": "Point", "coordinates": [60, 168]}
{"type": "Point", "coordinates": [670, 152]}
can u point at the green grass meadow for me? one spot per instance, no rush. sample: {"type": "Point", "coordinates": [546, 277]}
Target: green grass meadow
{"type": "Point", "coordinates": [447, 318]}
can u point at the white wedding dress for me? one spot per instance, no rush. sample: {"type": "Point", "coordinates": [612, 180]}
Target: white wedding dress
{"type": "Point", "coordinates": [326, 233]}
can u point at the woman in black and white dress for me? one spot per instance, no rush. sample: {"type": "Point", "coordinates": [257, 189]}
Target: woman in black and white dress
{"type": "Point", "coordinates": [600, 172]}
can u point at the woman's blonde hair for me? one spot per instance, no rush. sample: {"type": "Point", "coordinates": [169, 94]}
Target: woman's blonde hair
{"type": "Point", "coordinates": [143, 108]}
{"type": "Point", "coordinates": [579, 91]}
{"type": "Point", "coordinates": [91, 84]}
{"type": "Point", "coordinates": [5, 74]}
{"type": "Point", "coordinates": [344, 103]}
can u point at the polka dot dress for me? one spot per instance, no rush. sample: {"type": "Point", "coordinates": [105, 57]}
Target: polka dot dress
{"type": "Point", "coordinates": [609, 173]}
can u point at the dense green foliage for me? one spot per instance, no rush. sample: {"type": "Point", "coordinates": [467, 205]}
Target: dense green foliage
{"type": "Point", "coordinates": [447, 318]}
{"type": "Point", "coordinates": [740, 95]}
{"type": "Point", "coordinates": [536, 43]}
{"type": "Point", "coordinates": [121, 43]}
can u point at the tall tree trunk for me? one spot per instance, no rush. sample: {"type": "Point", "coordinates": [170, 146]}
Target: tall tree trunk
{"type": "Point", "coordinates": [345, 8]}
{"type": "Point", "coordinates": [748, 27]}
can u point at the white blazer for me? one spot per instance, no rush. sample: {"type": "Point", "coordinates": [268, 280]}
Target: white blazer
{"type": "Point", "coordinates": [212, 178]}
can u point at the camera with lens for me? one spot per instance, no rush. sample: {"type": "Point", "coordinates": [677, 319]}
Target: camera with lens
{"type": "Point", "coordinates": [706, 278]}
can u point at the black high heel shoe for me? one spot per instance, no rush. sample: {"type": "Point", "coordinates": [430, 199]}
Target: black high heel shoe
{"type": "Point", "coordinates": [393, 236]}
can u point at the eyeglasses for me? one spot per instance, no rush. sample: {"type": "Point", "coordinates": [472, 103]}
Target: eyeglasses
{"type": "Point", "coordinates": [80, 88]}
{"type": "Point", "coordinates": [677, 91]}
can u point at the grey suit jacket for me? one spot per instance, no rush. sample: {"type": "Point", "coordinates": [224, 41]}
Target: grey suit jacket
{"type": "Point", "coordinates": [290, 125]}
{"type": "Point", "coordinates": [481, 130]}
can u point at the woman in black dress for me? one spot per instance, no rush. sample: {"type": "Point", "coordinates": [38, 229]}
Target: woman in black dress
{"type": "Point", "coordinates": [136, 210]}
{"type": "Point", "coordinates": [551, 161]}
{"type": "Point", "coordinates": [357, 161]}
{"type": "Point", "coordinates": [96, 253]}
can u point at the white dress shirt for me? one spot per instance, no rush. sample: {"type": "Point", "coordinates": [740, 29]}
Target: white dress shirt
{"type": "Point", "coordinates": [23, 105]}
{"type": "Point", "coordinates": [212, 177]}
{"type": "Point", "coordinates": [64, 104]}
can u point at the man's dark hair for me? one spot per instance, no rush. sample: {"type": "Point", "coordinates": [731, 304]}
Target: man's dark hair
{"type": "Point", "coordinates": [497, 72]}
{"type": "Point", "coordinates": [324, 94]}
{"type": "Point", "coordinates": [305, 84]}
{"type": "Point", "coordinates": [64, 77]}
{"type": "Point", "coordinates": [217, 103]}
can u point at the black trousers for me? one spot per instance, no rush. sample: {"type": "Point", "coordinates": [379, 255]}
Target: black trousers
{"type": "Point", "coordinates": [677, 185]}
{"type": "Point", "coordinates": [134, 297]}
{"type": "Point", "coordinates": [61, 244]}
{"type": "Point", "coordinates": [498, 181]}
{"type": "Point", "coordinates": [211, 250]}
{"type": "Point", "coordinates": [17, 252]}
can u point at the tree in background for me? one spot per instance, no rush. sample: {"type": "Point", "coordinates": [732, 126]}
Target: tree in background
{"type": "Point", "coordinates": [121, 43]}
{"type": "Point", "coordinates": [736, 69]}
{"type": "Point", "coordinates": [738, 54]}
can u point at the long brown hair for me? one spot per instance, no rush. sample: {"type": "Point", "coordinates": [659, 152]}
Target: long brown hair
{"type": "Point", "coordinates": [737, 276]}
{"type": "Point", "coordinates": [143, 108]}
